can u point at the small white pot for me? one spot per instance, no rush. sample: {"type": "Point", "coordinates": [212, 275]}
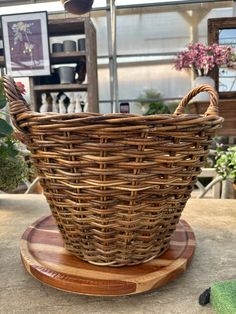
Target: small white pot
{"type": "Point", "coordinates": [199, 80]}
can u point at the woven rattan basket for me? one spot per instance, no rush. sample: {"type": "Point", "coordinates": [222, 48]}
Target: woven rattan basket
{"type": "Point", "coordinates": [116, 183]}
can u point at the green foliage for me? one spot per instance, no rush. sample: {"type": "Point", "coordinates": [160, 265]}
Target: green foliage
{"type": "Point", "coordinates": [148, 94]}
{"type": "Point", "coordinates": [13, 168]}
{"type": "Point", "coordinates": [157, 108]}
{"type": "Point", "coordinates": [12, 172]}
{"type": "Point", "coordinates": [154, 102]}
{"type": "Point", "coordinates": [226, 163]}
{"type": "Point", "coordinates": [2, 96]}
{"type": "Point", "coordinates": [3, 101]}
{"type": "Point", "coordinates": [8, 148]}
{"type": "Point", "coordinates": [5, 128]}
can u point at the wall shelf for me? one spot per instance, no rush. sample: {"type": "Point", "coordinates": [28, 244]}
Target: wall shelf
{"type": "Point", "coordinates": [66, 57]}
{"type": "Point", "coordinates": [59, 87]}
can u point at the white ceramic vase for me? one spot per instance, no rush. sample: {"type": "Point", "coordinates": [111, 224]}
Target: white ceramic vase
{"type": "Point", "coordinates": [199, 80]}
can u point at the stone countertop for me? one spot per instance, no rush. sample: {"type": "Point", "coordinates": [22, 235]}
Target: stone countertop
{"type": "Point", "coordinates": [214, 225]}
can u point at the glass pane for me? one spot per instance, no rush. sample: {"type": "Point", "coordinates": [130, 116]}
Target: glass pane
{"type": "Point", "coordinates": [227, 76]}
{"type": "Point", "coordinates": [149, 33]}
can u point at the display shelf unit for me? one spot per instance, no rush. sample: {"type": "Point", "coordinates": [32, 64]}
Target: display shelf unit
{"type": "Point", "coordinates": [63, 28]}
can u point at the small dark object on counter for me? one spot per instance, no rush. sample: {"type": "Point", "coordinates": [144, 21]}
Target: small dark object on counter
{"type": "Point", "coordinates": [204, 298]}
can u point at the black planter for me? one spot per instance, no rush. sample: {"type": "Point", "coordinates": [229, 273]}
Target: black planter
{"type": "Point", "coordinates": [81, 44]}
{"type": "Point", "coordinates": [57, 47]}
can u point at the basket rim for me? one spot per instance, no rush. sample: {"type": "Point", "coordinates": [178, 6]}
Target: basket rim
{"type": "Point", "coordinates": [112, 116]}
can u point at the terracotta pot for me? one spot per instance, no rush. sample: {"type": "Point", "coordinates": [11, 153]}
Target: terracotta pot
{"type": "Point", "coordinates": [77, 6]}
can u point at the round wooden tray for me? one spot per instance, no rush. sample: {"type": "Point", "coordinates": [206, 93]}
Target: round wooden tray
{"type": "Point", "coordinates": [46, 259]}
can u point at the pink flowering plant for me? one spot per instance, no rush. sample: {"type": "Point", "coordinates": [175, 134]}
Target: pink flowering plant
{"type": "Point", "coordinates": [202, 58]}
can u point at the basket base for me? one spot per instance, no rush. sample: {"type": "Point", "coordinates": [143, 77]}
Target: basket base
{"type": "Point", "coordinates": [46, 259]}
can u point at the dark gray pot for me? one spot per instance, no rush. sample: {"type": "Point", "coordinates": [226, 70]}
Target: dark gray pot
{"type": "Point", "coordinates": [69, 45]}
{"type": "Point", "coordinates": [81, 44]}
{"type": "Point", "coordinates": [66, 74]}
{"type": "Point", "coordinates": [57, 47]}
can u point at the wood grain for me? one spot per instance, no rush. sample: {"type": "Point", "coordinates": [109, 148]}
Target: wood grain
{"type": "Point", "coordinates": [226, 111]}
{"type": "Point", "coordinates": [46, 259]}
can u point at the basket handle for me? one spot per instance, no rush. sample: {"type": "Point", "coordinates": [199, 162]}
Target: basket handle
{"type": "Point", "coordinates": [17, 104]}
{"type": "Point", "coordinates": [212, 110]}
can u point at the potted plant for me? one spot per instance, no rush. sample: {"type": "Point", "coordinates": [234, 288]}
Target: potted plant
{"type": "Point", "coordinates": [13, 168]}
{"type": "Point", "coordinates": [226, 167]}
{"type": "Point", "coordinates": [226, 163]}
{"type": "Point", "coordinates": [152, 102]}
{"type": "Point", "coordinates": [201, 59]}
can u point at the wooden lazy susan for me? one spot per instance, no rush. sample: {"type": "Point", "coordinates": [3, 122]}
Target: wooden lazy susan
{"type": "Point", "coordinates": [46, 259]}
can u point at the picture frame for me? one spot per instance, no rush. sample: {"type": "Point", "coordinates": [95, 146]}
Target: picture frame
{"type": "Point", "coordinates": [222, 31]}
{"type": "Point", "coordinates": [124, 107]}
{"type": "Point", "coordinates": [26, 44]}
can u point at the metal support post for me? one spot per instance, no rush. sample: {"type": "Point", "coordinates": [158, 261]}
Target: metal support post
{"type": "Point", "coordinates": [111, 34]}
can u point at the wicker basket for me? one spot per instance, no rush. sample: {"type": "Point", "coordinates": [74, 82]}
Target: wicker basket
{"type": "Point", "coordinates": [116, 183]}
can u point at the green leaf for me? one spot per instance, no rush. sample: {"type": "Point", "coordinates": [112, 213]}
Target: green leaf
{"type": "Point", "coordinates": [3, 102]}
{"type": "Point", "coordinates": [5, 128]}
{"type": "Point", "coordinates": [8, 148]}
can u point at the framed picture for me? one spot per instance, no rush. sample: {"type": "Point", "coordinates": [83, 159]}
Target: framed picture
{"type": "Point", "coordinates": [223, 32]}
{"type": "Point", "coordinates": [124, 107]}
{"type": "Point", "coordinates": [26, 44]}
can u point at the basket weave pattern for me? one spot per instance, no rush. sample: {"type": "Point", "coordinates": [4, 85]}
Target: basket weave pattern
{"type": "Point", "coordinates": [117, 183]}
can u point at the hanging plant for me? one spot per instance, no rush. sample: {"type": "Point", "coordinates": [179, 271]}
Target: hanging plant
{"type": "Point", "coordinates": [77, 6]}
